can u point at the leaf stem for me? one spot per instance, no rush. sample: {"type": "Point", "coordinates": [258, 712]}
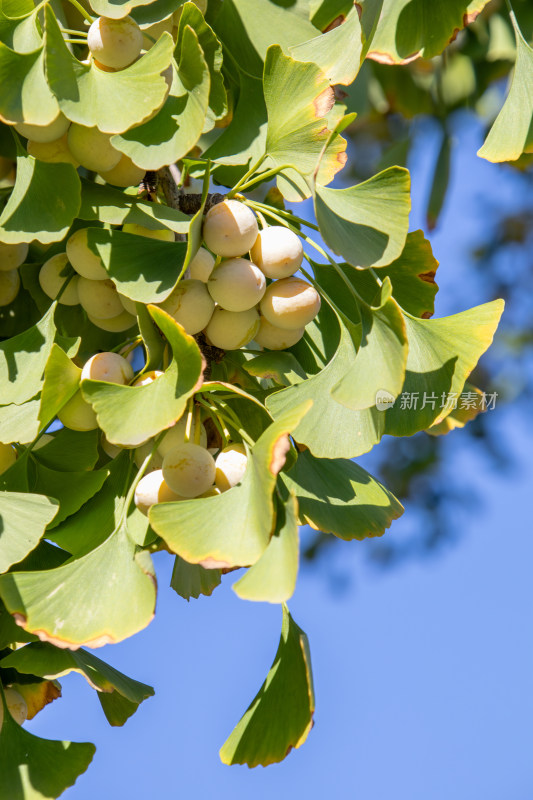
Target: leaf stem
{"type": "Point", "coordinates": [269, 173]}
{"type": "Point", "coordinates": [292, 217]}
{"type": "Point", "coordinates": [245, 177]}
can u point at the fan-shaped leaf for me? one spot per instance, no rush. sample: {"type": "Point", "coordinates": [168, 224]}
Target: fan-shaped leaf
{"type": "Point", "coordinates": [23, 519]}
{"type": "Point", "coordinates": [26, 96]}
{"type": "Point", "coordinates": [337, 53]}
{"type": "Point", "coordinates": [193, 580]}
{"type": "Point", "coordinates": [23, 359]}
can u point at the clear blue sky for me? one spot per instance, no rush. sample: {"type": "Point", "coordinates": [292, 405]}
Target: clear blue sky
{"type": "Point", "coordinates": [423, 674]}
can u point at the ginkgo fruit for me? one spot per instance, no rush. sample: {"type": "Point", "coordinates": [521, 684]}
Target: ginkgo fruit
{"type": "Point", "coordinates": [143, 451]}
{"type": "Point", "coordinates": [128, 304]}
{"type": "Point", "coordinates": [108, 367]}
{"type": "Point", "coordinates": [230, 229]}
{"type": "Point", "coordinates": [125, 173]}
{"type": "Point", "coordinates": [290, 303]}
{"type": "Point", "coordinates": [100, 299]}
{"type": "Point", "coordinates": [86, 263]}
{"type": "Point", "coordinates": [12, 256]}
{"type": "Point", "coordinates": [115, 42]}
{"type": "Point", "coordinates": [189, 469]}
{"type": "Point", "coordinates": [176, 436]}
{"type": "Point", "coordinates": [190, 304]}
{"type": "Point", "coordinates": [16, 705]}
{"type": "Point", "coordinates": [201, 265]}
{"type": "Point", "coordinates": [45, 133]}
{"type": "Point", "coordinates": [274, 338]}
{"type": "Point", "coordinates": [148, 377]}
{"type": "Point", "coordinates": [9, 286]}
{"type": "Point", "coordinates": [8, 456]}
{"type": "Point", "coordinates": [78, 414]}
{"type": "Point", "coordinates": [164, 234]}
{"type": "Point", "coordinates": [237, 284]}
{"type": "Point", "coordinates": [151, 489]}
{"type": "Point", "coordinates": [56, 152]}
{"type": "Point", "coordinates": [277, 251]}
{"type": "Point", "coordinates": [92, 148]}
{"type": "Point", "coordinates": [230, 330]}
{"type": "Point", "coordinates": [122, 322]}
{"type": "Point", "coordinates": [230, 466]}
{"type": "Point", "coordinates": [52, 277]}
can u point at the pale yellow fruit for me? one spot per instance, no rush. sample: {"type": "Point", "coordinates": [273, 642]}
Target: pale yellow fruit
{"type": "Point", "coordinates": [277, 251]}
{"type": "Point", "coordinates": [12, 256]}
{"type": "Point", "coordinates": [16, 705]}
{"type": "Point", "coordinates": [151, 233]}
{"type": "Point", "coordinates": [212, 492]}
{"type": "Point", "coordinates": [8, 456]}
{"type": "Point", "coordinates": [151, 489]}
{"type": "Point", "coordinates": [9, 286]}
{"type": "Point", "coordinates": [115, 42]}
{"type": "Point", "coordinates": [92, 149]}
{"type": "Point", "coordinates": [230, 229]}
{"type": "Point", "coordinates": [101, 66]}
{"type": "Point", "coordinates": [191, 305]}
{"type": "Point", "coordinates": [128, 304]}
{"type": "Point", "coordinates": [108, 367]}
{"type": "Point", "coordinates": [290, 303]}
{"type": "Point", "coordinates": [201, 266]}
{"type": "Point", "coordinates": [144, 451]}
{"type": "Point", "coordinates": [56, 152]}
{"type": "Point", "coordinates": [85, 262]}
{"type": "Point", "coordinates": [100, 299]}
{"type": "Point", "coordinates": [189, 469]}
{"type": "Point", "coordinates": [126, 173]}
{"type": "Point", "coordinates": [111, 450]}
{"type": "Point", "coordinates": [155, 31]}
{"type": "Point", "coordinates": [122, 322]}
{"type": "Point", "coordinates": [176, 436]}
{"type": "Point", "coordinates": [230, 330]}
{"type": "Point", "coordinates": [45, 133]}
{"type": "Point", "coordinates": [237, 284]}
{"type": "Point", "coordinates": [274, 338]}
{"type": "Point", "coordinates": [52, 276]}
{"type": "Point", "coordinates": [230, 466]}
{"type": "Point", "coordinates": [77, 414]}
{"type": "Point", "coordinates": [148, 377]}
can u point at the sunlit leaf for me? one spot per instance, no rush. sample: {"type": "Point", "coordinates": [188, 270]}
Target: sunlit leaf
{"type": "Point", "coordinates": [38, 695]}
{"type": "Point", "coordinates": [338, 53]}
{"type": "Point", "coordinates": [61, 382]}
{"type": "Point", "coordinates": [23, 519]}
{"type": "Point", "coordinates": [23, 359]}
{"type": "Point", "coordinates": [412, 276]}
{"type": "Point", "coordinates": [26, 96]}
{"type": "Point", "coordinates": [20, 423]}
{"type": "Point", "coordinates": [279, 365]}
{"type": "Point", "coordinates": [116, 9]}
{"type": "Point", "coordinates": [461, 413]}
{"type": "Point", "coordinates": [19, 26]}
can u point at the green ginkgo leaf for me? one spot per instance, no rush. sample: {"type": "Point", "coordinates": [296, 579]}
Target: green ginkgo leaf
{"type": "Point", "coordinates": [512, 132]}
{"type": "Point", "coordinates": [272, 579]}
{"type": "Point", "coordinates": [367, 224]}
{"type": "Point", "coordinates": [111, 101]}
{"type": "Point", "coordinates": [281, 715]}
{"type": "Point", "coordinates": [409, 29]}
{"type": "Point", "coordinates": [412, 276]}
{"type": "Point", "coordinates": [49, 662]}
{"type": "Point", "coordinates": [38, 769]}
{"type": "Point", "coordinates": [177, 126]}
{"type": "Point", "coordinates": [26, 96]}
{"type": "Point", "coordinates": [71, 489]}
{"type": "Point", "coordinates": [19, 26]}
{"type": "Point", "coordinates": [69, 450]}
{"type": "Point", "coordinates": [338, 53]}
{"type": "Point", "coordinates": [154, 11]}
{"type": "Point", "coordinates": [279, 365]}
{"type": "Point", "coordinates": [23, 519]}
{"type": "Point", "coordinates": [340, 497]}
{"type": "Point", "coordinates": [23, 359]}
{"type": "Point", "coordinates": [193, 580]}
{"type": "Point", "coordinates": [144, 269]}
{"type": "Point", "coordinates": [231, 529]}
{"type": "Point", "coordinates": [61, 382]}
{"type": "Point", "coordinates": [116, 9]}
{"type": "Point", "coordinates": [130, 415]}
{"type": "Point", "coordinates": [20, 423]}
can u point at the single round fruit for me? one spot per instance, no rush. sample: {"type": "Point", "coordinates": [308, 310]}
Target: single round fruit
{"type": "Point", "coordinates": [144, 451]}
{"type": "Point", "coordinates": [45, 133]}
{"type": "Point", "coordinates": [164, 234]}
{"type": "Point", "coordinates": [111, 450]}
{"type": "Point", "coordinates": [190, 304]}
{"type": "Point", "coordinates": [126, 173]}
{"type": "Point", "coordinates": [92, 149]}
{"type": "Point", "coordinates": [12, 256]}
{"type": "Point", "coordinates": [230, 228]}
{"type": "Point", "coordinates": [151, 489]}
{"type": "Point", "coordinates": [128, 304]}
{"type": "Point", "coordinates": [277, 251]}
{"type": "Point", "coordinates": [77, 414]}
{"type": "Point", "coordinates": [274, 338]}
{"type": "Point", "coordinates": [16, 705]}
{"type": "Point", "coordinates": [189, 469]}
{"type": "Point", "coordinates": [9, 286]}
{"type": "Point", "coordinates": [122, 322]}
{"type": "Point", "coordinates": [230, 466]}
{"type": "Point", "coordinates": [153, 32]}
{"type": "Point", "coordinates": [55, 152]}
{"type": "Point", "coordinates": [100, 299]}
{"type": "Point", "coordinates": [115, 42]}
{"type": "Point", "coordinates": [176, 436]}
{"type": "Point", "coordinates": [8, 456]}
{"type": "Point", "coordinates": [237, 284]}
{"type": "Point", "coordinates": [290, 303]}
{"type": "Point", "coordinates": [230, 330]}
{"type": "Point", "coordinates": [85, 262]}
{"type": "Point", "coordinates": [201, 266]}
{"type": "Point", "coordinates": [52, 276]}
{"type": "Point", "coordinates": [108, 367]}
{"type": "Point", "coordinates": [148, 377]}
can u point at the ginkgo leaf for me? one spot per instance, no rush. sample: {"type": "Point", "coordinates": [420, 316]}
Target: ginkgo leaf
{"type": "Point", "coordinates": [71, 489]}
{"type": "Point", "coordinates": [412, 276]}
{"type": "Point", "coordinates": [233, 528]}
{"type": "Point", "coordinates": [193, 580]}
{"type": "Point", "coordinates": [61, 382]}
{"type": "Point", "coordinates": [20, 423]}
{"type": "Point", "coordinates": [23, 520]}
{"type": "Point", "coordinates": [116, 9]}
{"type": "Point", "coordinates": [281, 715]}
{"type": "Point", "coordinates": [23, 359]}
{"type": "Point", "coordinates": [19, 26]}
{"type": "Point", "coordinates": [69, 450]}
{"type": "Point", "coordinates": [29, 98]}
{"type": "Point", "coordinates": [338, 53]}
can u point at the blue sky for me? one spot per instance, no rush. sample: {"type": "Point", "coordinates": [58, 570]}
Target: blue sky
{"type": "Point", "coordinates": [423, 673]}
